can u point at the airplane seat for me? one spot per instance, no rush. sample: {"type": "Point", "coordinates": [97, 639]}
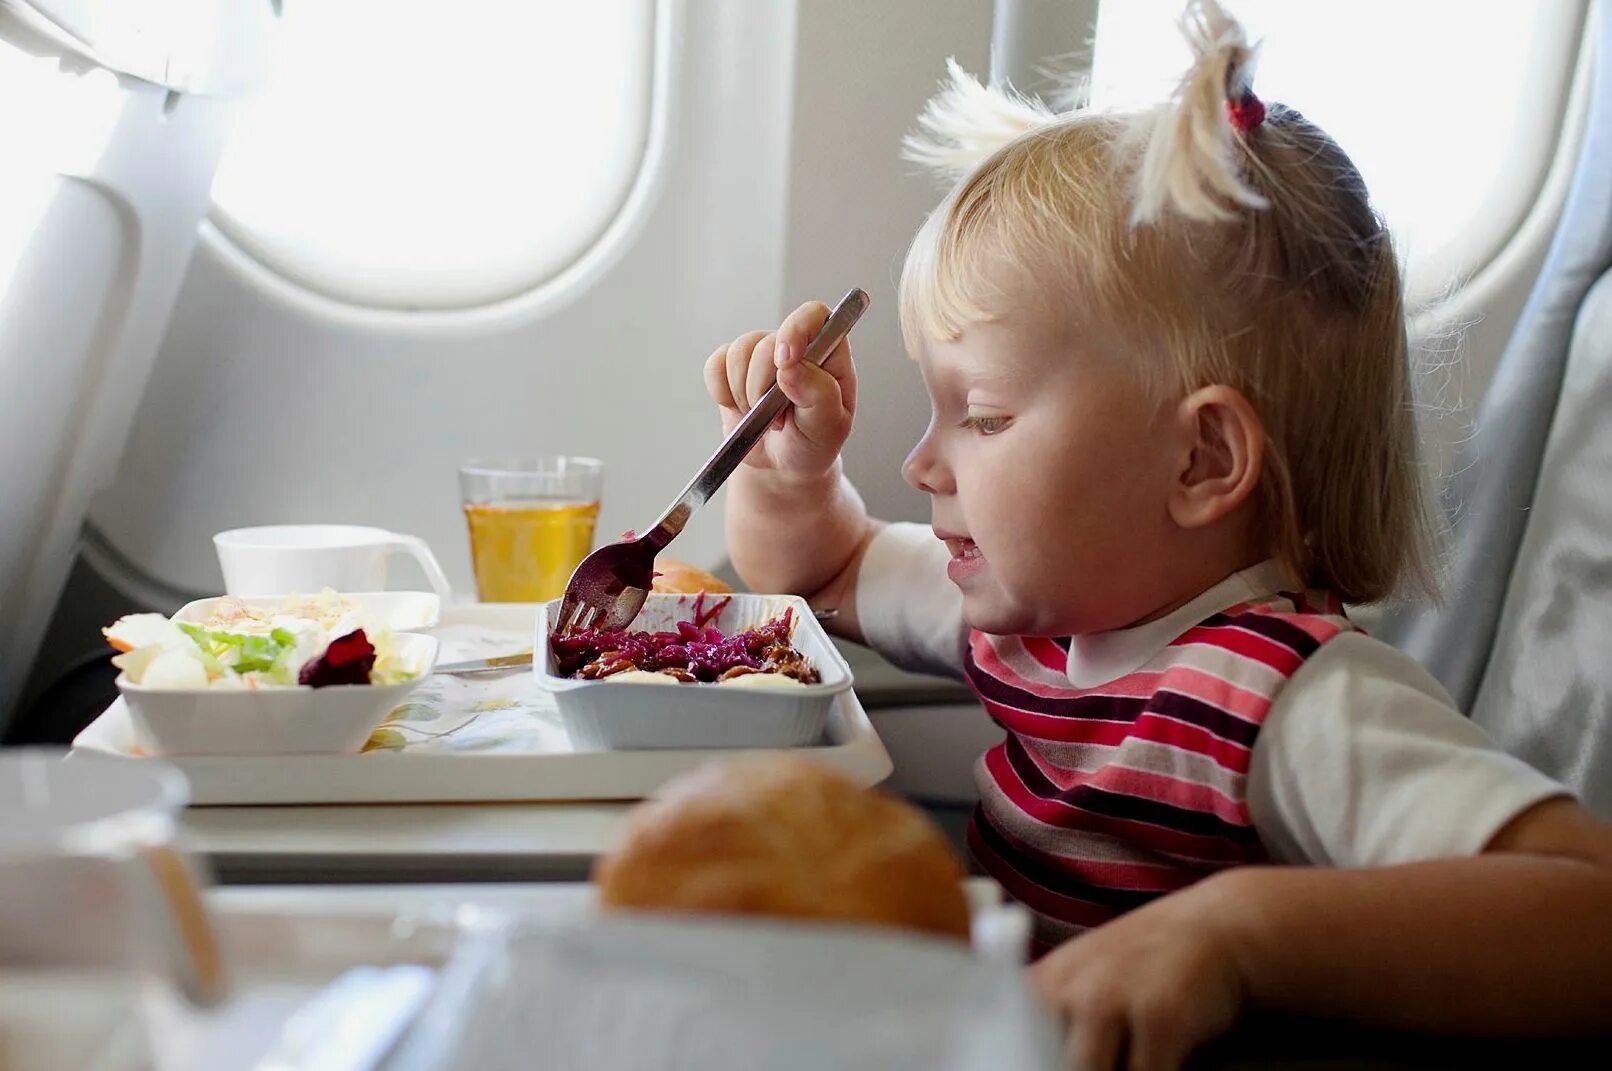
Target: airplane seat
{"type": "Point", "coordinates": [115, 117]}
{"type": "Point", "coordinates": [1524, 638]}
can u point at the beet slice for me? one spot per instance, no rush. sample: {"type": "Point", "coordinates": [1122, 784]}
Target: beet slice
{"type": "Point", "coordinates": [348, 660]}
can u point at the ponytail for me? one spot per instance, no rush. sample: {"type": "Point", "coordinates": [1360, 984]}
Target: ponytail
{"type": "Point", "coordinates": [1190, 163]}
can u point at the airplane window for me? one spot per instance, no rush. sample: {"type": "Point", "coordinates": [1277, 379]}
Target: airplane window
{"type": "Point", "coordinates": [1450, 108]}
{"type": "Point", "coordinates": [409, 155]}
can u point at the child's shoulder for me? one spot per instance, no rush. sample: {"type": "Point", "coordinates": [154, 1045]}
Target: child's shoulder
{"type": "Point", "coordinates": [1326, 652]}
{"type": "Point", "coordinates": [1298, 623]}
{"type": "Point", "coordinates": [1360, 674]}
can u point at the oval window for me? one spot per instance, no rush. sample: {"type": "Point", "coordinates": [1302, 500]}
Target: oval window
{"type": "Point", "coordinates": [429, 156]}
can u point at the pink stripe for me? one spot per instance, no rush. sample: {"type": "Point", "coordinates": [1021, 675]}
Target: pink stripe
{"type": "Point", "coordinates": [1217, 691]}
{"type": "Point", "coordinates": [1178, 791]}
{"type": "Point", "coordinates": [987, 659]}
{"type": "Point", "coordinates": [1318, 626]}
{"type": "Point", "coordinates": [1017, 664]}
{"type": "Point", "coordinates": [1163, 730]}
{"type": "Point", "coordinates": [1240, 641]}
{"type": "Point", "coordinates": [1038, 898]}
{"type": "Point", "coordinates": [1054, 727]}
{"type": "Point", "coordinates": [1138, 754]}
{"type": "Point", "coordinates": [1148, 726]}
{"type": "Point", "coordinates": [1047, 653]}
{"type": "Point", "coordinates": [1104, 873]}
{"type": "Point", "coordinates": [1022, 827]}
{"type": "Point", "coordinates": [1145, 784]}
{"type": "Point", "coordinates": [1071, 816]}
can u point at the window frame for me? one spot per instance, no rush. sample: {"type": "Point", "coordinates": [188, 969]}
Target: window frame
{"type": "Point", "coordinates": [542, 297]}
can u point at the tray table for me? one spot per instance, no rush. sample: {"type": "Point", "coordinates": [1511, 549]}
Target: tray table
{"type": "Point", "coordinates": [472, 739]}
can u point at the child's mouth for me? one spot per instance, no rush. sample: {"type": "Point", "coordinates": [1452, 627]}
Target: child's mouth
{"type": "Point", "coordinates": [966, 558]}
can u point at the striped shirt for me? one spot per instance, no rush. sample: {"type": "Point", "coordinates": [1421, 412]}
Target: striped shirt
{"type": "Point", "coordinates": [1103, 798]}
{"type": "Point", "coordinates": [1337, 748]}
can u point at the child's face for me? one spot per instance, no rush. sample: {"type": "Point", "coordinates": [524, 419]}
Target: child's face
{"type": "Point", "coordinates": [1049, 471]}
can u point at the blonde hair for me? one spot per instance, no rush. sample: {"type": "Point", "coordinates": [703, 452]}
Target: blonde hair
{"type": "Point", "coordinates": [1251, 258]}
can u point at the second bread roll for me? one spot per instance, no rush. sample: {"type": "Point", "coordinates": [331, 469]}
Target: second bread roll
{"type": "Point", "coordinates": [681, 578]}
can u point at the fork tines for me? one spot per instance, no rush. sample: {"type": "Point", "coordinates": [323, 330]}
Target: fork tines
{"type": "Point", "coordinates": [575, 615]}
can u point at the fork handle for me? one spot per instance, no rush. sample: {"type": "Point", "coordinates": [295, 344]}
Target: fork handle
{"type": "Point", "coordinates": [754, 425]}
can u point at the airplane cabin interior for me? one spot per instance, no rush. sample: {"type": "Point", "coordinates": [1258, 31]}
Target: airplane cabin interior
{"type": "Point", "coordinates": [805, 534]}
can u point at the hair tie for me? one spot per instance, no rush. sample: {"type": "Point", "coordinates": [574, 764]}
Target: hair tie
{"type": "Point", "coordinates": [1245, 112]}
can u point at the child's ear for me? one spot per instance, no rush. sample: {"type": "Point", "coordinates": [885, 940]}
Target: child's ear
{"type": "Point", "coordinates": [1222, 453]}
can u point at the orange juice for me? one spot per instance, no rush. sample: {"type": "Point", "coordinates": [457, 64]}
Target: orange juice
{"type": "Point", "coordinates": [525, 550]}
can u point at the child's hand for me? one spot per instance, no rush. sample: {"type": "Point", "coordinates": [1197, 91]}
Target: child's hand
{"type": "Point", "coordinates": [1143, 991]}
{"type": "Point", "coordinates": [805, 440]}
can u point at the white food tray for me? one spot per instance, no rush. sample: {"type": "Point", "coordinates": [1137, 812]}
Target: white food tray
{"type": "Point", "coordinates": [472, 739]}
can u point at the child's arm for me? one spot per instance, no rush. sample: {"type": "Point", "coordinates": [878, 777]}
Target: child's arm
{"type": "Point", "coordinates": [1515, 941]}
{"type": "Point", "coordinates": [794, 523]}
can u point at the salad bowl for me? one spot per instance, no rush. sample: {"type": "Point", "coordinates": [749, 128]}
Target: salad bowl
{"type": "Point", "coordinates": [297, 674]}
{"type": "Point", "coordinates": [293, 720]}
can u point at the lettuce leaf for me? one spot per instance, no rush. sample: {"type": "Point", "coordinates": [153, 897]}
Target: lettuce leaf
{"type": "Point", "coordinates": [242, 653]}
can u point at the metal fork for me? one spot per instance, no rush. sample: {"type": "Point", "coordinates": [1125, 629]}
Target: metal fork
{"type": "Point", "coordinates": [609, 588]}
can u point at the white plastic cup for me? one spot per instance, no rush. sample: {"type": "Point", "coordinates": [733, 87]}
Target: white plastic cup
{"type": "Point", "coordinates": [92, 873]}
{"type": "Point", "coordinates": [290, 559]}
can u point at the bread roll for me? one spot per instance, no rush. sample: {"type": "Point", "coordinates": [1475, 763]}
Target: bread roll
{"type": "Point", "coordinates": [681, 578]}
{"type": "Point", "coordinates": [786, 836]}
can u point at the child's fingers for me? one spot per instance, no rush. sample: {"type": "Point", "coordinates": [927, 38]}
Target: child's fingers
{"type": "Point", "coordinates": [820, 413]}
{"type": "Point", "coordinates": [796, 334]}
{"type": "Point", "coordinates": [716, 379]}
{"type": "Point", "coordinates": [738, 374]}
{"type": "Point", "coordinates": [799, 328]}
{"type": "Point", "coordinates": [738, 366]}
{"type": "Point", "coordinates": [762, 372]}
{"type": "Point", "coordinates": [811, 389]}
{"type": "Point", "coordinates": [843, 368]}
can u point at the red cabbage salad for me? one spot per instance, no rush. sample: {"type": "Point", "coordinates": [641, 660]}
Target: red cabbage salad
{"type": "Point", "coordinates": [696, 653]}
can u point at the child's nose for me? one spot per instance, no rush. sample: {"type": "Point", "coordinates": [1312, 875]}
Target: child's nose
{"type": "Point", "coordinates": [922, 470]}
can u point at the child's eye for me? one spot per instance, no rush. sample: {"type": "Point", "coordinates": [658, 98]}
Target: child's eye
{"type": "Point", "coordinates": [985, 425]}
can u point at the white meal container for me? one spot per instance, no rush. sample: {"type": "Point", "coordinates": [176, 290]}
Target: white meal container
{"type": "Point", "coordinates": [272, 721]}
{"type": "Point", "coordinates": [607, 715]}
{"type": "Point", "coordinates": [397, 611]}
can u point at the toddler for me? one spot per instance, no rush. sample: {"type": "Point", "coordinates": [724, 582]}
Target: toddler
{"type": "Point", "coordinates": [1172, 436]}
